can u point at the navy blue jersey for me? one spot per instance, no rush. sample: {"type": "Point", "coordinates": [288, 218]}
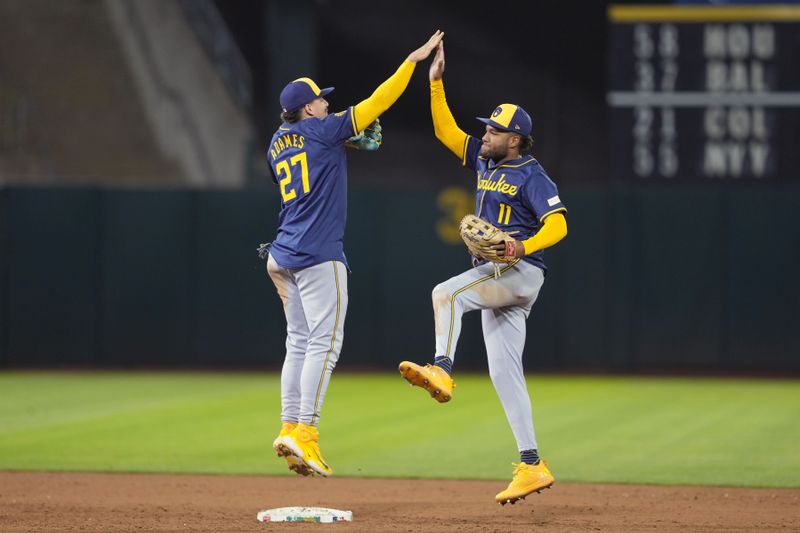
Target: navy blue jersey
{"type": "Point", "coordinates": [309, 165]}
{"type": "Point", "coordinates": [515, 196]}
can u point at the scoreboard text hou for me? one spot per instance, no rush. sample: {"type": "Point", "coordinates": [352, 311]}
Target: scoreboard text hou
{"type": "Point", "coordinates": [705, 93]}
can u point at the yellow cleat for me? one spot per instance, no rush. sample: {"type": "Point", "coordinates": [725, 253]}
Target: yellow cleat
{"type": "Point", "coordinates": [527, 479]}
{"type": "Point", "coordinates": [282, 450]}
{"type": "Point", "coordinates": [433, 379]}
{"type": "Point", "coordinates": [303, 444]}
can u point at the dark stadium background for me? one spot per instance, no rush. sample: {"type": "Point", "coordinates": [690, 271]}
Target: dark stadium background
{"type": "Point", "coordinates": [111, 257]}
{"type": "Point", "coordinates": [537, 54]}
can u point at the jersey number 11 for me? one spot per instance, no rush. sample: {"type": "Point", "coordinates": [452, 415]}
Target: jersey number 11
{"type": "Point", "coordinates": [505, 212]}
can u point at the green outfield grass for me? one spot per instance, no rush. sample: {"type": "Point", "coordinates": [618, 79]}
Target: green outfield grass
{"type": "Point", "coordinates": [633, 430]}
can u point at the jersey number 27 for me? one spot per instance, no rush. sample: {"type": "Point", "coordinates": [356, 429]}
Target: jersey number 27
{"type": "Point", "coordinates": [283, 169]}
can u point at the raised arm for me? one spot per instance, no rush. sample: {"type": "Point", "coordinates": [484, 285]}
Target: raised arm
{"type": "Point", "coordinates": [387, 93]}
{"type": "Point", "coordinates": [444, 125]}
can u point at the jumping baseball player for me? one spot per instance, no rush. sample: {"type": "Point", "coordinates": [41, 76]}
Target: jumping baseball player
{"type": "Point", "coordinates": [515, 195]}
{"type": "Point", "coordinates": [306, 260]}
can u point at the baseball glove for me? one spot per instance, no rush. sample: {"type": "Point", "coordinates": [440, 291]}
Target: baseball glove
{"type": "Point", "coordinates": [370, 139]}
{"type": "Point", "coordinates": [263, 250]}
{"type": "Point", "coordinates": [481, 237]}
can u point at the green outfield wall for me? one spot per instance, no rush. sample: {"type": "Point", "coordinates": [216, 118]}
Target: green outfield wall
{"type": "Point", "coordinates": [649, 278]}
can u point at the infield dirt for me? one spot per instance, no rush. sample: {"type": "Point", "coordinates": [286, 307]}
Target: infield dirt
{"type": "Point", "coordinates": [143, 502]}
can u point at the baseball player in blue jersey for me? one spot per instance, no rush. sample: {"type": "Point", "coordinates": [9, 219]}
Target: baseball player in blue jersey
{"type": "Point", "coordinates": [514, 194]}
{"type": "Point", "coordinates": [306, 260]}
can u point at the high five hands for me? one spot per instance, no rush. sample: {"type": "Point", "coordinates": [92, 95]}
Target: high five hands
{"type": "Point", "coordinates": [437, 65]}
{"type": "Point", "coordinates": [422, 53]}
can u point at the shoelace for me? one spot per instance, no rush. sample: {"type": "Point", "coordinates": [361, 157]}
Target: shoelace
{"type": "Point", "coordinates": [519, 467]}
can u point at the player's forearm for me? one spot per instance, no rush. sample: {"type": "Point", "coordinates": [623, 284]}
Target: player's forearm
{"type": "Point", "coordinates": [384, 96]}
{"type": "Point", "coordinates": [444, 125]}
{"type": "Point", "coordinates": [553, 230]}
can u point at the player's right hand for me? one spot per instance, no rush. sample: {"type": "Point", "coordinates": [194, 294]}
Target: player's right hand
{"type": "Point", "coordinates": [425, 50]}
{"type": "Point", "coordinates": [437, 65]}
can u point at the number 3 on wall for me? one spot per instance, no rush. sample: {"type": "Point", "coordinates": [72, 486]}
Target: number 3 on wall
{"type": "Point", "coordinates": [282, 168]}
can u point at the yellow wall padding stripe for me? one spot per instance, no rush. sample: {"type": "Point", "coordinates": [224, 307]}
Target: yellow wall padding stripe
{"type": "Point", "coordinates": [333, 342]}
{"type": "Point", "coordinates": [650, 13]}
{"type": "Point", "coordinates": [459, 291]}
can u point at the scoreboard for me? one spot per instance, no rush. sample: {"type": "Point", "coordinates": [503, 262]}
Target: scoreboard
{"type": "Point", "coordinates": [705, 92]}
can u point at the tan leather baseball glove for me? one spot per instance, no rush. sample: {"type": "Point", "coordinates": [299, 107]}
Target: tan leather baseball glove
{"type": "Point", "coordinates": [480, 237]}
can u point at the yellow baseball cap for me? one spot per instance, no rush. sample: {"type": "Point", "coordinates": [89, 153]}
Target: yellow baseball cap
{"type": "Point", "coordinates": [510, 117]}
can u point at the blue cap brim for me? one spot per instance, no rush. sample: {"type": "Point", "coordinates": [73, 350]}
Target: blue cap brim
{"type": "Point", "coordinates": [495, 125]}
{"type": "Point", "coordinates": [326, 91]}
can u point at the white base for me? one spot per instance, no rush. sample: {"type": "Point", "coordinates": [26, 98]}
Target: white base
{"type": "Point", "coordinates": [321, 515]}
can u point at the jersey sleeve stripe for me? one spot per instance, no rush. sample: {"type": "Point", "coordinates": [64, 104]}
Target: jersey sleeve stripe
{"type": "Point", "coordinates": [556, 210]}
{"type": "Point", "coordinates": [464, 153]}
{"type": "Point", "coordinates": [353, 120]}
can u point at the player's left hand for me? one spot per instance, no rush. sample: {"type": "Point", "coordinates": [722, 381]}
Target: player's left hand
{"type": "Point", "coordinates": [510, 249]}
{"type": "Point", "coordinates": [370, 139]}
